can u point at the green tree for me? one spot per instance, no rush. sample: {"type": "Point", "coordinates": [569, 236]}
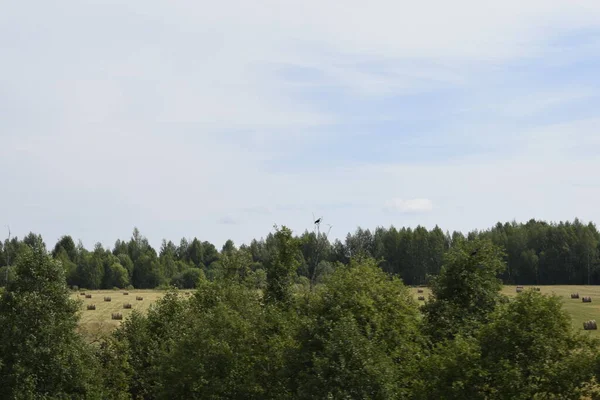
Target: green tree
{"type": "Point", "coordinates": [360, 337]}
{"type": "Point", "coordinates": [41, 355]}
{"type": "Point", "coordinates": [529, 350]}
{"type": "Point", "coordinates": [466, 290]}
{"type": "Point", "coordinates": [282, 266]}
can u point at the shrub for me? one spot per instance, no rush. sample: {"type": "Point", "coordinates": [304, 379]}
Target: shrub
{"type": "Point", "coordinates": [75, 288]}
{"type": "Point", "coordinates": [129, 287]}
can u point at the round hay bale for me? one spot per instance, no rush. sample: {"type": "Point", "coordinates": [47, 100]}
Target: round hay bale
{"type": "Point", "coordinates": [82, 293]}
{"type": "Point", "coordinates": [127, 305]}
{"type": "Point", "coordinates": [125, 293]}
{"type": "Point", "coordinates": [586, 299]}
{"type": "Point", "coordinates": [187, 293]}
{"type": "Point", "coordinates": [91, 306]}
{"type": "Point", "coordinates": [139, 298]}
{"type": "Point", "coordinates": [107, 298]}
{"type": "Point", "coordinates": [519, 289]}
{"type": "Point", "coordinates": [419, 290]}
{"type": "Point", "coordinates": [88, 296]}
{"type": "Point", "coordinates": [590, 325]}
{"type": "Point", "coordinates": [117, 316]}
{"type": "Point", "coordinates": [421, 298]}
{"type": "Point", "coordinates": [537, 289]}
{"type": "Point", "coordinates": [574, 295]}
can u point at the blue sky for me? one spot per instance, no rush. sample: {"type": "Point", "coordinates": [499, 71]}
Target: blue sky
{"type": "Point", "coordinates": [218, 120]}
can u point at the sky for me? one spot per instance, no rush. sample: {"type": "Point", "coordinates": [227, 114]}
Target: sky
{"type": "Point", "coordinates": [218, 120]}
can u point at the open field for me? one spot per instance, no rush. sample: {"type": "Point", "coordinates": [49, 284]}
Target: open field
{"type": "Point", "coordinates": [578, 310]}
{"type": "Point", "coordinates": [96, 322]}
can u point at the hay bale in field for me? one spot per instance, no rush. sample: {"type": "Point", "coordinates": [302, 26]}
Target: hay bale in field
{"type": "Point", "coordinates": [421, 298]}
{"type": "Point", "coordinates": [586, 299]}
{"type": "Point", "coordinates": [127, 305]}
{"type": "Point", "coordinates": [117, 316]}
{"type": "Point", "coordinates": [88, 296]}
{"type": "Point", "coordinates": [82, 293]}
{"type": "Point", "coordinates": [590, 325]}
{"type": "Point", "coordinates": [574, 295]}
{"type": "Point", "coordinates": [536, 289]}
{"type": "Point", "coordinates": [519, 289]}
{"type": "Point", "coordinates": [187, 293]}
{"type": "Point", "coordinates": [139, 298]}
{"type": "Point", "coordinates": [125, 293]}
{"type": "Point", "coordinates": [107, 298]}
{"type": "Point", "coordinates": [91, 306]}
{"type": "Point", "coordinates": [419, 290]}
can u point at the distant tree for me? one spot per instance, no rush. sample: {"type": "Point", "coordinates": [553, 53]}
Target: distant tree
{"type": "Point", "coordinates": [67, 244]}
{"type": "Point", "coordinates": [34, 241]}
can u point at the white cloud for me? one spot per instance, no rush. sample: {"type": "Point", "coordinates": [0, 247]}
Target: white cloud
{"type": "Point", "coordinates": [409, 205]}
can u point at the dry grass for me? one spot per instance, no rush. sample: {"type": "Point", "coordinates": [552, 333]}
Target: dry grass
{"type": "Point", "coordinates": [579, 311]}
{"type": "Point", "coordinates": [98, 322]}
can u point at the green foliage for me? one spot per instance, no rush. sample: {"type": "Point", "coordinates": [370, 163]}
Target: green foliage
{"type": "Point", "coordinates": [360, 338]}
{"type": "Point", "coordinates": [528, 349]}
{"type": "Point", "coordinates": [466, 290]}
{"type": "Point", "coordinates": [282, 266]}
{"type": "Point", "coordinates": [188, 279]}
{"type": "Point", "coordinates": [41, 356]}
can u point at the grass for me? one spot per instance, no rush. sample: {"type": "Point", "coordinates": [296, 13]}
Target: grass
{"type": "Point", "coordinates": [95, 323]}
{"type": "Point", "coordinates": [579, 311]}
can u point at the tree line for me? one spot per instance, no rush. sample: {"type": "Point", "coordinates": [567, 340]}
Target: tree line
{"type": "Point", "coordinates": [536, 252]}
{"type": "Point", "coordinates": [358, 334]}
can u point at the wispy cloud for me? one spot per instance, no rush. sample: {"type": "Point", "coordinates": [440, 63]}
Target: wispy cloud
{"type": "Point", "coordinates": [409, 205]}
{"type": "Point", "coordinates": [184, 111]}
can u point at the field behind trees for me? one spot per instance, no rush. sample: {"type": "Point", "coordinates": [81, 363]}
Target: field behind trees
{"type": "Point", "coordinates": [98, 322]}
{"type": "Point", "coordinates": [358, 333]}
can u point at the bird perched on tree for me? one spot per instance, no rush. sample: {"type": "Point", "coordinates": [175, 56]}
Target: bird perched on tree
{"type": "Point", "coordinates": [474, 253]}
{"type": "Point", "coordinates": [318, 221]}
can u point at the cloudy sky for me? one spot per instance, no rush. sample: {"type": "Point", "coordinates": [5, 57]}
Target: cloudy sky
{"type": "Point", "coordinates": [219, 119]}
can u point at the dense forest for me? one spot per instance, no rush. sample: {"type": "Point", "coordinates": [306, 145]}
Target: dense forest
{"type": "Point", "coordinates": [357, 334]}
{"type": "Point", "coordinates": [536, 252]}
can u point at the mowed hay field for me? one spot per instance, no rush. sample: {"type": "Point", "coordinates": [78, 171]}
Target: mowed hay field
{"type": "Point", "coordinates": [579, 311]}
{"type": "Point", "coordinates": [97, 322]}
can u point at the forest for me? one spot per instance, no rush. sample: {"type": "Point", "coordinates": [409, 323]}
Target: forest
{"type": "Point", "coordinates": [536, 252]}
{"type": "Point", "coordinates": [356, 333]}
